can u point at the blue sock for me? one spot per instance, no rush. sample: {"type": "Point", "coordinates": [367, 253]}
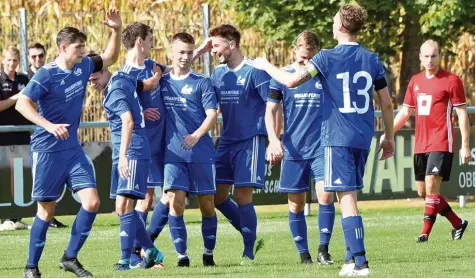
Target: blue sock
{"type": "Point", "coordinates": [298, 226]}
{"type": "Point", "coordinates": [159, 219]}
{"type": "Point", "coordinates": [127, 229]}
{"type": "Point", "coordinates": [349, 257]}
{"type": "Point", "coordinates": [79, 232]}
{"type": "Point", "coordinates": [229, 209]}
{"type": "Point", "coordinates": [142, 238]}
{"type": "Point", "coordinates": [327, 214]}
{"type": "Point", "coordinates": [178, 232]}
{"type": "Point", "coordinates": [209, 232]}
{"type": "Point", "coordinates": [143, 220]}
{"type": "Point", "coordinates": [37, 241]}
{"type": "Point", "coordinates": [354, 238]}
{"type": "Point", "coordinates": [249, 223]}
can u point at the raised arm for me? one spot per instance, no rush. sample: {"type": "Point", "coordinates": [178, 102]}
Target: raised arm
{"type": "Point", "coordinates": [288, 79]}
{"type": "Point", "coordinates": [111, 54]}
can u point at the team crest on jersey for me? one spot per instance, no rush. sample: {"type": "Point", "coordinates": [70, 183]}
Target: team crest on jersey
{"type": "Point", "coordinates": [318, 85]}
{"type": "Point", "coordinates": [78, 72]}
{"type": "Point", "coordinates": [187, 89]}
{"type": "Point", "coordinates": [240, 80]}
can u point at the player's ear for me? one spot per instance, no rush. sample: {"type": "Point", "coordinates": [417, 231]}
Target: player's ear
{"type": "Point", "coordinates": [232, 44]}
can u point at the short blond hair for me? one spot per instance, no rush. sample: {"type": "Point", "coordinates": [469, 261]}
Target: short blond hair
{"type": "Point", "coordinates": [11, 49]}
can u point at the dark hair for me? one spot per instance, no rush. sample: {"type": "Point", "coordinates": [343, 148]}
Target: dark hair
{"type": "Point", "coordinates": [309, 40]}
{"type": "Point", "coordinates": [183, 37]}
{"type": "Point", "coordinates": [70, 35]}
{"type": "Point", "coordinates": [353, 18]}
{"type": "Point", "coordinates": [132, 32]}
{"type": "Point", "coordinates": [226, 31]}
{"type": "Point", "coordinates": [37, 45]}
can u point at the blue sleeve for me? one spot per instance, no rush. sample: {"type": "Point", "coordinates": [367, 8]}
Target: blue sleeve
{"type": "Point", "coordinates": [209, 97]}
{"type": "Point", "coordinates": [117, 100]}
{"type": "Point", "coordinates": [320, 62]}
{"type": "Point", "coordinates": [380, 71]}
{"type": "Point", "coordinates": [261, 81]}
{"type": "Point", "coordinates": [215, 84]}
{"type": "Point", "coordinates": [38, 85]}
{"type": "Point", "coordinates": [274, 85]}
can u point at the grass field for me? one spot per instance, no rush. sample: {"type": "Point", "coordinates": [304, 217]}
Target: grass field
{"type": "Point", "coordinates": [390, 230]}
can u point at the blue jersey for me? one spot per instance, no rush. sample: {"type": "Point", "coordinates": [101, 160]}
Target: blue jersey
{"type": "Point", "coordinates": [186, 100]}
{"type": "Point", "coordinates": [302, 116]}
{"type": "Point", "coordinates": [121, 97]}
{"type": "Point", "coordinates": [242, 93]}
{"type": "Point", "coordinates": [348, 73]}
{"type": "Point", "coordinates": [59, 94]}
{"type": "Point", "coordinates": [155, 129]}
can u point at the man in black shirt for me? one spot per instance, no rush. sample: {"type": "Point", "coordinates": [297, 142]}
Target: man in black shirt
{"type": "Point", "coordinates": [36, 57]}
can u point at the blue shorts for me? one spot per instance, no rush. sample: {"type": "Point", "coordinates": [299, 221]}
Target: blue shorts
{"type": "Point", "coordinates": [295, 174]}
{"type": "Point", "coordinates": [344, 168]}
{"type": "Point", "coordinates": [156, 171]}
{"type": "Point", "coordinates": [135, 186]}
{"type": "Point", "coordinates": [241, 163]}
{"type": "Point", "coordinates": [52, 170]}
{"type": "Point", "coordinates": [193, 178]}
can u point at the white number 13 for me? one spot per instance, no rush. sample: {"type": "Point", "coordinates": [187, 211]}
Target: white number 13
{"type": "Point", "coordinates": [363, 92]}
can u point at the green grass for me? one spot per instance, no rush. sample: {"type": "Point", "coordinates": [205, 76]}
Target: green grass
{"type": "Point", "coordinates": [389, 237]}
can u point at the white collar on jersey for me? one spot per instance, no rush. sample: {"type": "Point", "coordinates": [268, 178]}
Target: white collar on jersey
{"type": "Point", "coordinates": [174, 77]}
{"type": "Point", "coordinates": [349, 44]}
{"type": "Point", "coordinates": [237, 68]}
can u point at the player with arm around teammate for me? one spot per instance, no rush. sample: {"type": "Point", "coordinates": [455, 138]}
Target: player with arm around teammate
{"type": "Point", "coordinates": [432, 94]}
{"type": "Point", "coordinates": [58, 89]}
{"type": "Point", "coordinates": [302, 150]}
{"type": "Point", "coordinates": [348, 74]}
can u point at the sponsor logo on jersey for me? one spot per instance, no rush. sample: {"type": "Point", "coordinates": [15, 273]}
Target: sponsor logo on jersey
{"type": "Point", "coordinates": [416, 88]}
{"type": "Point", "coordinates": [62, 82]}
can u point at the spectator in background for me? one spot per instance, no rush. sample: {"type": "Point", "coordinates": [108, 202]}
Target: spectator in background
{"type": "Point", "coordinates": [36, 57]}
{"type": "Point", "coordinates": [11, 83]}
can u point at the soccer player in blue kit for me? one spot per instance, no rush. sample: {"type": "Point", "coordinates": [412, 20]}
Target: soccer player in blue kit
{"type": "Point", "coordinates": [131, 152]}
{"type": "Point", "coordinates": [57, 158]}
{"type": "Point", "coordinates": [191, 105]}
{"type": "Point", "coordinates": [348, 74]}
{"type": "Point", "coordinates": [302, 150]}
{"type": "Point", "coordinates": [58, 89]}
{"type": "Point", "coordinates": [242, 92]}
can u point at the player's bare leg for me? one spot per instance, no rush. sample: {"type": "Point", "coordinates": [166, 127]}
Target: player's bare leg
{"type": "Point", "coordinates": [353, 235]}
{"type": "Point", "coordinates": [44, 214]}
{"type": "Point", "coordinates": [227, 206]}
{"type": "Point", "coordinates": [298, 226]}
{"type": "Point", "coordinates": [209, 227]}
{"type": "Point", "coordinates": [435, 204]}
{"type": "Point", "coordinates": [325, 220]}
{"type": "Point", "coordinates": [177, 227]}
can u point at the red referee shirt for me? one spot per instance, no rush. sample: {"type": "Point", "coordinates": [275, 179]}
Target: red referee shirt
{"type": "Point", "coordinates": [433, 99]}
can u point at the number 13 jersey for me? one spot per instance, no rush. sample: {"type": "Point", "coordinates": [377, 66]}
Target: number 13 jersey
{"type": "Point", "coordinates": [433, 99]}
{"type": "Point", "coordinates": [349, 73]}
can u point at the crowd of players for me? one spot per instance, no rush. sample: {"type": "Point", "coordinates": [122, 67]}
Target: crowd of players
{"type": "Point", "coordinates": [160, 117]}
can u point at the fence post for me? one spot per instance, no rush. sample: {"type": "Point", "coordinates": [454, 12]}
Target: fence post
{"type": "Point", "coordinates": [24, 40]}
{"type": "Point", "coordinates": [206, 25]}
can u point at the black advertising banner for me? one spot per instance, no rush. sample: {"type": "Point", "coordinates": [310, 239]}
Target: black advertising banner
{"type": "Point", "coordinates": [390, 179]}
